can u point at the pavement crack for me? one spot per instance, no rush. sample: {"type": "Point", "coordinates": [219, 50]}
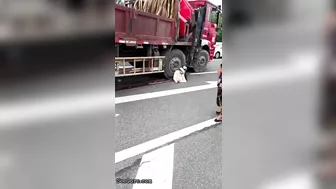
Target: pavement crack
{"type": "Point", "coordinates": [128, 168]}
{"type": "Point", "coordinates": [144, 162]}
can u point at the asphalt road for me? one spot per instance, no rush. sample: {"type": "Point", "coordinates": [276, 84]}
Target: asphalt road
{"type": "Point", "coordinates": [266, 133]}
{"type": "Point", "coordinates": [145, 120]}
{"type": "Point", "coordinates": [56, 151]}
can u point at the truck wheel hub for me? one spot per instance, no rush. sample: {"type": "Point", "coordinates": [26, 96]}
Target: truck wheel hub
{"type": "Point", "coordinates": [202, 61]}
{"type": "Point", "coordinates": [175, 64]}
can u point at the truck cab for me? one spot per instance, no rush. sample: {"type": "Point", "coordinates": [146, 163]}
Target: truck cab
{"type": "Point", "coordinates": [210, 24]}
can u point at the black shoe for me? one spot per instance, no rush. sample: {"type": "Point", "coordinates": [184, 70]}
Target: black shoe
{"type": "Point", "coordinates": [218, 120]}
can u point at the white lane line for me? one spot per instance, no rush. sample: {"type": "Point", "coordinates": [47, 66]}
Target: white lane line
{"type": "Point", "coordinates": [117, 115]}
{"type": "Point", "coordinates": [204, 73]}
{"type": "Point", "coordinates": [36, 110]}
{"type": "Point", "coordinates": [303, 66]}
{"type": "Point", "coordinates": [302, 180]}
{"type": "Point", "coordinates": [155, 143]}
{"type": "Point", "coordinates": [300, 66]}
{"type": "Point", "coordinates": [158, 166]}
{"type": "Point", "coordinates": [145, 96]}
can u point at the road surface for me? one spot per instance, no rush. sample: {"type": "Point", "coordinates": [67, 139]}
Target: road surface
{"type": "Point", "coordinates": [267, 131]}
{"type": "Point", "coordinates": [267, 112]}
{"type": "Point", "coordinates": [144, 120]}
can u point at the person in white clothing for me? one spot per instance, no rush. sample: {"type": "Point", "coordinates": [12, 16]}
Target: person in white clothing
{"type": "Point", "coordinates": [180, 75]}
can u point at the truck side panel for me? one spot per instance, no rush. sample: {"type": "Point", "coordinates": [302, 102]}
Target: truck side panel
{"type": "Point", "coordinates": [133, 25]}
{"type": "Point", "coordinates": [122, 22]}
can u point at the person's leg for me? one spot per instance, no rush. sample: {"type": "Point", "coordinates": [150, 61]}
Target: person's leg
{"type": "Point", "coordinates": [219, 110]}
{"type": "Point", "coordinates": [219, 101]}
{"type": "Point", "coordinates": [219, 117]}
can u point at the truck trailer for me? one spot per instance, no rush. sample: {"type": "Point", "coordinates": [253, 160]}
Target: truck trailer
{"type": "Point", "coordinates": [149, 43]}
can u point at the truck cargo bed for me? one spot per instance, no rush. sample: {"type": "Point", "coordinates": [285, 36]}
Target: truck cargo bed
{"type": "Point", "coordinates": [137, 27]}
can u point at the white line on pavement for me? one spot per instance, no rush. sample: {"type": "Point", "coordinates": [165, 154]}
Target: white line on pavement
{"type": "Point", "coordinates": [155, 143]}
{"type": "Point", "coordinates": [22, 113]}
{"type": "Point", "coordinates": [302, 180]}
{"type": "Point", "coordinates": [203, 73]}
{"type": "Point", "coordinates": [117, 115]}
{"type": "Point", "coordinates": [299, 67]}
{"type": "Point", "coordinates": [158, 166]}
{"type": "Point", "coordinates": [145, 96]}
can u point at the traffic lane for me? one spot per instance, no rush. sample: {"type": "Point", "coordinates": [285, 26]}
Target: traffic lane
{"type": "Point", "coordinates": [269, 45]}
{"type": "Point", "coordinates": [159, 77]}
{"type": "Point", "coordinates": [240, 65]}
{"type": "Point", "coordinates": [281, 37]}
{"type": "Point", "coordinates": [144, 120]}
{"type": "Point", "coordinates": [59, 152]}
{"type": "Point", "coordinates": [239, 59]}
{"type": "Point", "coordinates": [269, 132]}
{"type": "Point", "coordinates": [53, 85]}
{"type": "Point", "coordinates": [198, 160]}
{"type": "Point", "coordinates": [213, 65]}
{"type": "Point", "coordinates": [193, 80]}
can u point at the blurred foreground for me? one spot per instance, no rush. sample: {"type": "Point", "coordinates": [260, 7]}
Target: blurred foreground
{"type": "Point", "coordinates": [55, 61]}
{"type": "Point", "coordinates": [57, 102]}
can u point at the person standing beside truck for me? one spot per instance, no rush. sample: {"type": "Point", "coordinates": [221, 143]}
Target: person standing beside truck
{"type": "Point", "coordinates": [329, 83]}
{"type": "Point", "coordinates": [217, 100]}
{"type": "Point", "coordinates": [219, 95]}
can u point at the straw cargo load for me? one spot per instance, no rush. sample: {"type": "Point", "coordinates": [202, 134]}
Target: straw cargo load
{"type": "Point", "coordinates": [165, 8]}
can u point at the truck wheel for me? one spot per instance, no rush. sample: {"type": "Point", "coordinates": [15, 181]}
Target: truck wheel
{"type": "Point", "coordinates": [217, 55]}
{"type": "Point", "coordinates": [174, 60]}
{"type": "Point", "coordinates": [202, 62]}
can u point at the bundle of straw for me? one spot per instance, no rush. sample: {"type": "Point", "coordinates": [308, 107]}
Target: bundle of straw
{"type": "Point", "coordinates": [164, 8]}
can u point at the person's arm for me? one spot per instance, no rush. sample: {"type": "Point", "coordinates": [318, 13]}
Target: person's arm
{"type": "Point", "coordinates": [330, 23]}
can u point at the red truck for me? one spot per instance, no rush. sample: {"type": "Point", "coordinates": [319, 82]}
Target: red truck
{"type": "Point", "coordinates": [148, 43]}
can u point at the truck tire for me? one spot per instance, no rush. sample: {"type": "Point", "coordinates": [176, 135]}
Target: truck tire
{"type": "Point", "coordinates": [202, 61]}
{"type": "Point", "coordinates": [174, 60]}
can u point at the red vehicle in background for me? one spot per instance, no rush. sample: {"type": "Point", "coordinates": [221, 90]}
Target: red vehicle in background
{"type": "Point", "coordinates": [210, 28]}
{"type": "Point", "coordinates": [148, 43]}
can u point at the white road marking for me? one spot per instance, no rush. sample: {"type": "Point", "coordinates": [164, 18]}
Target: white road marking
{"type": "Point", "coordinates": [145, 96]}
{"type": "Point", "coordinates": [203, 73]}
{"type": "Point", "coordinates": [302, 180]}
{"type": "Point", "coordinates": [155, 143]}
{"type": "Point", "coordinates": [158, 166]}
{"type": "Point", "coordinates": [22, 113]}
{"type": "Point", "coordinates": [244, 80]}
{"type": "Point", "coordinates": [117, 115]}
{"type": "Point", "coordinates": [303, 66]}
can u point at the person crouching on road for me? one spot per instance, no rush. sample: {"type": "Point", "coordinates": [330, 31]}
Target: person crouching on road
{"type": "Point", "coordinates": [180, 75]}
{"type": "Point", "coordinates": [219, 95]}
